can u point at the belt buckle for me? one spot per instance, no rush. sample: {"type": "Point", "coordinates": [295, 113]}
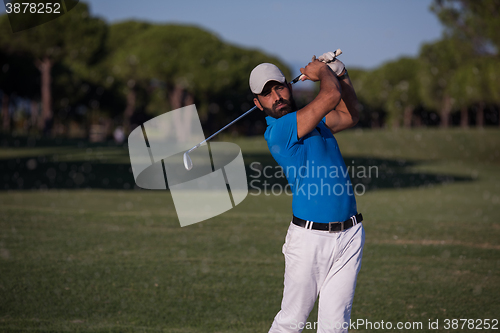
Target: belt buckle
{"type": "Point", "coordinates": [330, 227]}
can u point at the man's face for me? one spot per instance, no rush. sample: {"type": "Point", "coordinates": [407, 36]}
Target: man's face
{"type": "Point", "coordinates": [276, 99]}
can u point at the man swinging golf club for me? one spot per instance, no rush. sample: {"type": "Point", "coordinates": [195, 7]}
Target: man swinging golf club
{"type": "Point", "coordinates": [324, 242]}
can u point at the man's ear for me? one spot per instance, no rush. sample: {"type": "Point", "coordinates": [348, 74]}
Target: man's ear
{"type": "Point", "coordinates": [257, 103]}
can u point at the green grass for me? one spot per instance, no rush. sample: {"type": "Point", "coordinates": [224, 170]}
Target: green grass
{"type": "Point", "coordinates": [117, 260]}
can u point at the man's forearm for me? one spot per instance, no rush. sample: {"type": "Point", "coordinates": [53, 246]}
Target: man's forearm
{"type": "Point", "coordinates": [329, 95]}
{"type": "Point", "coordinates": [350, 99]}
{"type": "Point", "coordinates": [346, 114]}
{"type": "Point", "coordinates": [328, 87]}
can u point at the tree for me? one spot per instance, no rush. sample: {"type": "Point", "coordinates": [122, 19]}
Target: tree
{"type": "Point", "coordinates": [193, 62]}
{"type": "Point", "coordinates": [475, 84]}
{"type": "Point", "coordinates": [474, 25]}
{"type": "Point", "coordinates": [180, 65]}
{"type": "Point", "coordinates": [75, 38]}
{"type": "Point", "coordinates": [439, 61]}
{"type": "Point", "coordinates": [492, 73]}
{"type": "Point", "coordinates": [372, 90]}
{"type": "Point", "coordinates": [400, 79]}
{"type": "Point", "coordinates": [121, 68]}
{"type": "Point", "coordinates": [477, 22]}
{"type": "Point", "coordinates": [18, 76]}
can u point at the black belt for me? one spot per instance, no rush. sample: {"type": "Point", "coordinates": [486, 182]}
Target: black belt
{"type": "Point", "coordinates": [330, 226]}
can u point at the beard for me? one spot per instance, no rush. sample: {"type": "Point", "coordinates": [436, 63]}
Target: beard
{"type": "Point", "coordinates": [281, 107]}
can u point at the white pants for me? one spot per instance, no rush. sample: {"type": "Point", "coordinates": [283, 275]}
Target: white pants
{"type": "Point", "coordinates": [319, 262]}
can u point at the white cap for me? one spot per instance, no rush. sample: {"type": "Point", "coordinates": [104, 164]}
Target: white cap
{"type": "Point", "coordinates": [262, 74]}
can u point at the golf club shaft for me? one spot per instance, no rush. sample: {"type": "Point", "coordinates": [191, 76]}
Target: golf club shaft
{"type": "Point", "coordinates": [297, 79]}
{"type": "Point", "coordinates": [223, 128]}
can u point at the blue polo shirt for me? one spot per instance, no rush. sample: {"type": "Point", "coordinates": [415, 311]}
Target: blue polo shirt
{"type": "Point", "coordinates": [320, 182]}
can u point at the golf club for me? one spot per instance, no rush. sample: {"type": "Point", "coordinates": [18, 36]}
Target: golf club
{"type": "Point", "coordinates": [188, 163]}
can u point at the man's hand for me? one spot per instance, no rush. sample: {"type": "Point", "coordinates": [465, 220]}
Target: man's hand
{"type": "Point", "coordinates": [314, 70]}
{"type": "Point", "coordinates": [327, 57]}
{"type": "Point", "coordinates": [336, 65]}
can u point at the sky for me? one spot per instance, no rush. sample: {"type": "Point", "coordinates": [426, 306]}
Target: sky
{"type": "Point", "coordinates": [369, 32]}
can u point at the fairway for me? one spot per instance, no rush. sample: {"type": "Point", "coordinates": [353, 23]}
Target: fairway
{"type": "Point", "coordinates": [80, 254]}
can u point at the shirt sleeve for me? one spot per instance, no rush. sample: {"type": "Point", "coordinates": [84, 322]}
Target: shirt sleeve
{"type": "Point", "coordinates": [283, 136]}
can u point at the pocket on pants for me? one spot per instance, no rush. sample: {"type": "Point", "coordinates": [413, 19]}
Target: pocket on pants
{"type": "Point", "coordinates": [288, 240]}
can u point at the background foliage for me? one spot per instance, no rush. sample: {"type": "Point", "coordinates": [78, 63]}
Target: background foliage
{"type": "Point", "coordinates": [77, 76]}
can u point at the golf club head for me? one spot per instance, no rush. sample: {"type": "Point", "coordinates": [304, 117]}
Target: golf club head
{"type": "Point", "coordinates": [188, 163]}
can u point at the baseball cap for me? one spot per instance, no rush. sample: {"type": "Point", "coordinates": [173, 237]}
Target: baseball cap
{"type": "Point", "coordinates": [262, 74]}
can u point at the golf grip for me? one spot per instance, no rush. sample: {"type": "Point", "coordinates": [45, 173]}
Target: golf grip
{"type": "Point", "coordinates": [337, 53]}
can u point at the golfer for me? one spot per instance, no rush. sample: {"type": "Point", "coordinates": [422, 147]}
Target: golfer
{"type": "Point", "coordinates": [324, 242]}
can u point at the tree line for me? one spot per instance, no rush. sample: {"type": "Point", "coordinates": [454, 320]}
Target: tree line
{"type": "Point", "coordinates": [78, 71]}
{"type": "Point", "coordinates": [77, 75]}
{"type": "Point", "coordinates": [450, 80]}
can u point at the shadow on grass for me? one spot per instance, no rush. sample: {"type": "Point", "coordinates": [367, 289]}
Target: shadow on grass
{"type": "Point", "coordinates": [46, 172]}
{"type": "Point", "coordinates": [372, 173]}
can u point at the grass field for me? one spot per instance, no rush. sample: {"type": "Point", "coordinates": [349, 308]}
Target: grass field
{"type": "Point", "coordinates": [81, 254]}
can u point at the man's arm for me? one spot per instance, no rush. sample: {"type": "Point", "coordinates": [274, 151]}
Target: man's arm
{"type": "Point", "coordinates": [346, 113]}
{"type": "Point", "coordinates": [328, 98]}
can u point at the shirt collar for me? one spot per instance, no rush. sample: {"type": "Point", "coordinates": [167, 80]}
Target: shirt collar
{"type": "Point", "coordinates": [270, 120]}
